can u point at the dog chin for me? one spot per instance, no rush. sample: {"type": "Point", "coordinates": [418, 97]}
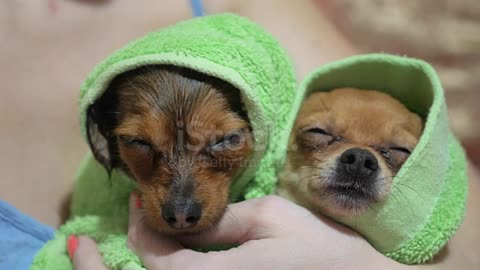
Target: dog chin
{"type": "Point", "coordinates": [208, 222]}
{"type": "Point", "coordinates": [344, 201]}
{"type": "Point", "coordinates": [169, 231]}
{"type": "Point", "coordinates": [350, 203]}
{"type": "Point", "coordinates": [184, 232]}
{"type": "Point", "coordinates": [342, 206]}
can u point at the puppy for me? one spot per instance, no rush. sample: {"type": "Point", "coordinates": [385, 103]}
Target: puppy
{"type": "Point", "coordinates": [345, 148]}
{"type": "Point", "coordinates": [180, 134]}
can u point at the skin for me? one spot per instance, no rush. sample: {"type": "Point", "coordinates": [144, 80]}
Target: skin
{"type": "Point", "coordinates": [86, 34]}
{"type": "Point", "coordinates": [40, 129]}
{"type": "Point", "coordinates": [332, 123]}
{"type": "Point", "coordinates": [269, 226]}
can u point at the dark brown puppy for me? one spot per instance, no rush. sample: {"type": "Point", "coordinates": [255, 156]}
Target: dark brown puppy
{"type": "Point", "coordinates": [182, 135]}
{"type": "Point", "coordinates": [345, 149]}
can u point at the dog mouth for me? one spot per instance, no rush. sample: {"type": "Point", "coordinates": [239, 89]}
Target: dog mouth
{"type": "Point", "coordinates": [207, 221]}
{"type": "Point", "coordinates": [192, 231]}
{"type": "Point", "coordinates": [183, 230]}
{"type": "Point", "coordinates": [352, 196]}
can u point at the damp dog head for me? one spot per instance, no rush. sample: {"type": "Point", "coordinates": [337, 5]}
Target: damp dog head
{"type": "Point", "coordinates": [183, 136]}
{"type": "Point", "coordinates": [345, 149]}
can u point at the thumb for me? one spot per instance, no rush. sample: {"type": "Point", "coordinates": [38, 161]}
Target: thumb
{"type": "Point", "coordinates": [135, 209]}
{"type": "Point", "coordinates": [86, 255]}
{"type": "Point", "coordinates": [244, 221]}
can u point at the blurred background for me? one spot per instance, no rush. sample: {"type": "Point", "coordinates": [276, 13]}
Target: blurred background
{"type": "Point", "coordinates": [445, 33]}
{"type": "Point", "coordinates": [49, 46]}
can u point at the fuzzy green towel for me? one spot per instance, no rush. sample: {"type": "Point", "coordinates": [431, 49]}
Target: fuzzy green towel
{"type": "Point", "coordinates": [427, 201]}
{"type": "Point", "coordinates": [224, 46]}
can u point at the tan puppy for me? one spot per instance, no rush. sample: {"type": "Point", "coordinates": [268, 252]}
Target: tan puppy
{"type": "Point", "coordinates": [345, 148]}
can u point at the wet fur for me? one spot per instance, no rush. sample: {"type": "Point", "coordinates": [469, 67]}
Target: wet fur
{"type": "Point", "coordinates": [346, 118]}
{"type": "Point", "coordinates": [163, 125]}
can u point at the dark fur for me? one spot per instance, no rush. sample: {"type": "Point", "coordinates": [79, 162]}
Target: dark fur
{"type": "Point", "coordinates": [181, 134]}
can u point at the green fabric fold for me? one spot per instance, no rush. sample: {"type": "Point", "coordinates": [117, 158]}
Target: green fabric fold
{"type": "Point", "coordinates": [225, 46]}
{"type": "Point", "coordinates": [427, 201]}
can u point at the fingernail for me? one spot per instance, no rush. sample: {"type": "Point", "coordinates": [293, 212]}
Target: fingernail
{"type": "Point", "coordinates": [138, 202]}
{"type": "Point", "coordinates": [72, 244]}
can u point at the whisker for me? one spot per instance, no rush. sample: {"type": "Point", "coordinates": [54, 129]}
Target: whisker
{"type": "Point", "coordinates": [386, 177]}
{"type": "Point", "coordinates": [394, 197]}
{"type": "Point", "coordinates": [323, 105]}
{"type": "Point", "coordinates": [401, 193]}
{"type": "Point", "coordinates": [407, 199]}
{"type": "Point", "coordinates": [372, 208]}
{"type": "Point", "coordinates": [316, 159]}
{"type": "Point", "coordinates": [310, 177]}
{"type": "Point", "coordinates": [312, 167]}
{"type": "Point", "coordinates": [412, 189]}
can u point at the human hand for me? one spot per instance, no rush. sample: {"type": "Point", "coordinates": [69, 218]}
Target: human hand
{"type": "Point", "coordinates": [273, 233]}
{"type": "Point", "coordinates": [84, 253]}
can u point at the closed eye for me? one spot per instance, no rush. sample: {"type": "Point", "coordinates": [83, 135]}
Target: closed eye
{"type": "Point", "coordinates": [136, 142]}
{"type": "Point", "coordinates": [317, 130]}
{"type": "Point", "coordinates": [229, 141]}
{"type": "Point", "coordinates": [401, 149]}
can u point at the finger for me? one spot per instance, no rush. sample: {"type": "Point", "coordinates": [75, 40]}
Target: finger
{"type": "Point", "coordinates": [244, 221]}
{"type": "Point", "coordinates": [248, 220]}
{"type": "Point", "coordinates": [141, 237]}
{"type": "Point", "coordinates": [86, 255]}
{"type": "Point", "coordinates": [135, 209]}
{"type": "Point", "coordinates": [150, 246]}
{"type": "Point", "coordinates": [252, 255]}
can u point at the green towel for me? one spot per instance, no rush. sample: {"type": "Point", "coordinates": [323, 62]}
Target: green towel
{"type": "Point", "coordinates": [427, 201]}
{"type": "Point", "coordinates": [228, 47]}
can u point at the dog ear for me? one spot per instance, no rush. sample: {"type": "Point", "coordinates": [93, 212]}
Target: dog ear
{"type": "Point", "coordinates": [101, 121]}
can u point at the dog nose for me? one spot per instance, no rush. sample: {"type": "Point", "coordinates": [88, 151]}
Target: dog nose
{"type": "Point", "coordinates": [359, 162]}
{"type": "Point", "coordinates": [182, 215]}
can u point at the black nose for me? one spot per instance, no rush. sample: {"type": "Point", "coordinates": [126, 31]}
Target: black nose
{"type": "Point", "coordinates": [182, 214]}
{"type": "Point", "coordinates": [359, 162]}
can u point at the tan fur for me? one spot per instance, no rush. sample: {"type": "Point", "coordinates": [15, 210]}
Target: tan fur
{"type": "Point", "coordinates": [354, 118]}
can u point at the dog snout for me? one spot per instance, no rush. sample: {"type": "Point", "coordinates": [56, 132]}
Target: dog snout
{"type": "Point", "coordinates": [182, 214]}
{"type": "Point", "coordinates": [358, 162]}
